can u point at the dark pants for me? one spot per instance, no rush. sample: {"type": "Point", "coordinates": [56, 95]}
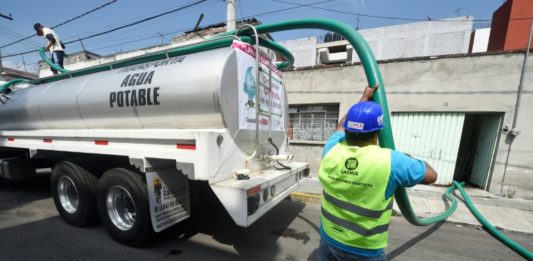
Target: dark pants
{"type": "Point", "coordinates": [57, 58]}
{"type": "Point", "coordinates": [331, 253]}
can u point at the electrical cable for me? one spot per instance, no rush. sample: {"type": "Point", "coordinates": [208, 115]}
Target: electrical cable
{"type": "Point", "coordinates": [150, 18]}
{"type": "Point", "coordinates": [393, 17]}
{"type": "Point", "coordinates": [139, 21]}
{"type": "Point", "coordinates": [158, 21]}
{"type": "Point", "coordinates": [15, 36]}
{"type": "Point", "coordinates": [120, 27]}
{"type": "Point", "coordinates": [63, 23]}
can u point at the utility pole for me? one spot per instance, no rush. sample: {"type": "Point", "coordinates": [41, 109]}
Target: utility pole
{"type": "Point", "coordinates": [231, 23]}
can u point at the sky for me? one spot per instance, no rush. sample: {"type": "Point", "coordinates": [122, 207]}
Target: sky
{"type": "Point", "coordinates": [161, 30]}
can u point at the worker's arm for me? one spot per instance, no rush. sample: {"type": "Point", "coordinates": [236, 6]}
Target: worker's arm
{"type": "Point", "coordinates": [368, 93]}
{"type": "Point", "coordinates": [430, 175]}
{"type": "Point", "coordinates": [407, 171]}
{"type": "Point", "coordinates": [51, 41]}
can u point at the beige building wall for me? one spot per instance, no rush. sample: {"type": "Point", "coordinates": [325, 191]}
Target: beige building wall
{"type": "Point", "coordinates": [475, 83]}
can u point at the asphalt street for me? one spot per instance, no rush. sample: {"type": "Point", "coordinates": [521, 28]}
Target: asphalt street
{"type": "Point", "coordinates": [31, 229]}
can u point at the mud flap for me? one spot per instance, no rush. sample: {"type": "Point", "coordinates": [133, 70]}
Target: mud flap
{"type": "Point", "coordinates": [168, 194]}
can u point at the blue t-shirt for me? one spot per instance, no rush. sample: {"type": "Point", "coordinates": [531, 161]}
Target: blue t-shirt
{"type": "Point", "coordinates": [405, 172]}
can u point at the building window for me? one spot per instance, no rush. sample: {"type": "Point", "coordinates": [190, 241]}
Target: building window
{"type": "Point", "coordinates": [312, 122]}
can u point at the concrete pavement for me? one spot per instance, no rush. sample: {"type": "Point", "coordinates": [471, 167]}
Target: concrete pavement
{"type": "Point", "coordinates": [504, 213]}
{"type": "Point", "coordinates": [30, 229]}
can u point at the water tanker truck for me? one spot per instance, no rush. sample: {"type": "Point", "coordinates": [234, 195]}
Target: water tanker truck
{"type": "Point", "coordinates": [127, 141]}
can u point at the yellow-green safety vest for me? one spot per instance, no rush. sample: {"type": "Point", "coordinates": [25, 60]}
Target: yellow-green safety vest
{"type": "Point", "coordinates": [355, 211]}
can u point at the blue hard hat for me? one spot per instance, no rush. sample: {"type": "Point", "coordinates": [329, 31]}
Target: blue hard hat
{"type": "Point", "coordinates": [364, 116]}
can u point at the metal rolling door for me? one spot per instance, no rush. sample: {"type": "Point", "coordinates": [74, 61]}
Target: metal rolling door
{"type": "Point", "coordinates": [433, 137]}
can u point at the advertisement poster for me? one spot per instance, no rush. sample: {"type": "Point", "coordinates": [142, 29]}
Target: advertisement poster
{"type": "Point", "coordinates": [271, 97]}
{"type": "Point", "coordinates": [168, 195]}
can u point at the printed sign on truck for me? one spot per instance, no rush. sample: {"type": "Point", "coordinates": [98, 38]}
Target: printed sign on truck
{"type": "Point", "coordinates": [271, 96]}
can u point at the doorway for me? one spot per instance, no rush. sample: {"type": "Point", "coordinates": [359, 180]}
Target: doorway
{"type": "Point", "coordinates": [477, 150]}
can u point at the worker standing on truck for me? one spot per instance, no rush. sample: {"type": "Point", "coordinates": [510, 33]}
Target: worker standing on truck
{"type": "Point", "coordinates": [52, 44]}
{"type": "Point", "coordinates": [359, 179]}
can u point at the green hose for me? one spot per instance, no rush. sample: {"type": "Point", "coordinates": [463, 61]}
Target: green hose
{"type": "Point", "coordinates": [385, 136]}
{"type": "Point", "coordinates": [374, 78]}
{"type": "Point", "coordinates": [490, 228]}
{"type": "Point", "coordinates": [49, 62]}
{"type": "Point", "coordinates": [11, 83]}
{"type": "Point", "coordinates": [368, 61]}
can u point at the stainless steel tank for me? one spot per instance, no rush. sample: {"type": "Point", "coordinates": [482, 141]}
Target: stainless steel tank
{"type": "Point", "coordinates": [195, 91]}
{"type": "Point", "coordinates": [180, 92]}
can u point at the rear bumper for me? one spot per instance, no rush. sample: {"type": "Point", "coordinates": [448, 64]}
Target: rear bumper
{"type": "Point", "coordinates": [248, 200]}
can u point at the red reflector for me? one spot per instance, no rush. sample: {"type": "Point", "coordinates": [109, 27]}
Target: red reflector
{"type": "Point", "coordinates": [10, 139]}
{"type": "Point", "coordinates": [253, 190]}
{"type": "Point", "coordinates": [186, 146]}
{"type": "Point", "coordinates": [47, 140]}
{"type": "Point", "coordinates": [101, 142]}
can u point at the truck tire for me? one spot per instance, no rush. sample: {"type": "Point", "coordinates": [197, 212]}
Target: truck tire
{"type": "Point", "coordinates": [124, 208]}
{"type": "Point", "coordinates": [74, 192]}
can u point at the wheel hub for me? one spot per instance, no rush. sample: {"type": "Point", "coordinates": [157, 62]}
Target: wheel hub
{"type": "Point", "coordinates": [68, 194]}
{"type": "Point", "coordinates": [120, 208]}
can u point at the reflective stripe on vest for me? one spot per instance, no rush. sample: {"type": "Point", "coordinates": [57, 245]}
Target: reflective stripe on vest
{"type": "Point", "coordinates": [354, 209]}
{"type": "Point", "coordinates": [354, 227]}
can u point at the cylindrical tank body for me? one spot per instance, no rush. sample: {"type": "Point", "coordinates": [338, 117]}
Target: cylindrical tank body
{"type": "Point", "coordinates": [194, 91]}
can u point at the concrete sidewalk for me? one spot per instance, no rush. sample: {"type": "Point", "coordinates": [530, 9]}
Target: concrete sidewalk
{"type": "Point", "coordinates": [503, 213]}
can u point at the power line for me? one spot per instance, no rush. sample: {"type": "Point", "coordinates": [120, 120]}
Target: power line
{"type": "Point", "coordinates": [84, 14]}
{"type": "Point", "coordinates": [8, 17]}
{"type": "Point", "coordinates": [286, 9]}
{"type": "Point", "coordinates": [191, 28]}
{"type": "Point", "coordinates": [63, 23]}
{"type": "Point", "coordinates": [188, 29]}
{"type": "Point", "coordinates": [391, 17]}
{"type": "Point", "coordinates": [155, 16]}
{"type": "Point", "coordinates": [118, 28]}
{"type": "Point", "coordinates": [14, 36]}
{"type": "Point", "coordinates": [138, 22]}
{"type": "Point", "coordinates": [132, 19]}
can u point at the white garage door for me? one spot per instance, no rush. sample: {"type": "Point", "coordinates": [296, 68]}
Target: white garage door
{"type": "Point", "coordinates": [433, 137]}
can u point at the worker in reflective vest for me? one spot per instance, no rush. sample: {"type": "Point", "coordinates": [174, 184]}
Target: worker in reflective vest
{"type": "Point", "coordinates": [359, 179]}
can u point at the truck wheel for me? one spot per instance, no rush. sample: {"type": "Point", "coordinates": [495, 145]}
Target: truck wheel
{"type": "Point", "coordinates": [74, 193]}
{"type": "Point", "coordinates": [123, 206]}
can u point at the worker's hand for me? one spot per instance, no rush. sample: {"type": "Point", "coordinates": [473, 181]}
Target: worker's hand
{"type": "Point", "coordinates": [368, 93]}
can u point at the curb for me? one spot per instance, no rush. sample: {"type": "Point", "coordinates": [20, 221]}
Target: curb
{"type": "Point", "coordinates": [306, 197]}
